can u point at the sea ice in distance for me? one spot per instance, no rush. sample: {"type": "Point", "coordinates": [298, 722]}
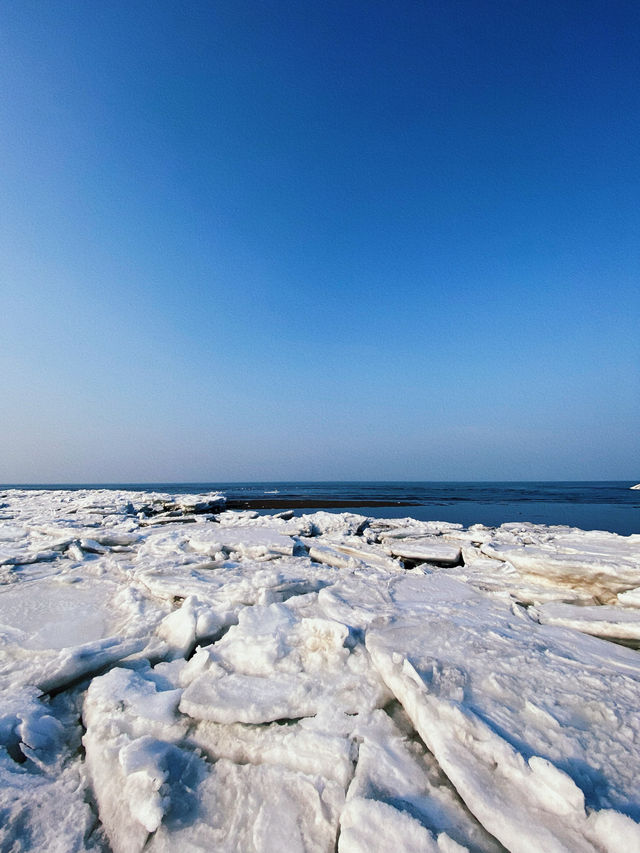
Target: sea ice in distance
{"type": "Point", "coordinates": [177, 676]}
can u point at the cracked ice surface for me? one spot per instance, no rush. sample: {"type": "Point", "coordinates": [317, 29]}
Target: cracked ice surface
{"type": "Point", "coordinates": [176, 676]}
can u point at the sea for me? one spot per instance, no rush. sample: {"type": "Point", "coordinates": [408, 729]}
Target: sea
{"type": "Point", "coordinates": [610, 505]}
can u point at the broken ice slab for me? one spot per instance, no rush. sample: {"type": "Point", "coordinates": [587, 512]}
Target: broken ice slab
{"type": "Point", "coordinates": [261, 808]}
{"type": "Point", "coordinates": [629, 598]}
{"type": "Point", "coordinates": [148, 778]}
{"type": "Point", "coordinates": [292, 745]}
{"type": "Point", "coordinates": [276, 665]}
{"type": "Point", "coordinates": [349, 551]}
{"type": "Point", "coordinates": [503, 580]}
{"type": "Point", "coordinates": [57, 629]}
{"type": "Point", "coordinates": [367, 825]}
{"type": "Point", "coordinates": [132, 728]}
{"type": "Point", "coordinates": [425, 550]}
{"type": "Point", "coordinates": [46, 812]}
{"type": "Point", "coordinates": [403, 528]}
{"type": "Point", "coordinates": [342, 523]}
{"type": "Point", "coordinates": [535, 726]}
{"type": "Point", "coordinates": [252, 542]}
{"type": "Point", "coordinates": [399, 773]}
{"type": "Point", "coordinates": [595, 561]}
{"type": "Point", "coordinates": [602, 621]}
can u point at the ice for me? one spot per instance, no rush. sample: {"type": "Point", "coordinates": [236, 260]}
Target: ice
{"type": "Point", "coordinates": [274, 665]}
{"type": "Point", "coordinates": [503, 580]}
{"type": "Point", "coordinates": [56, 629]}
{"type": "Point", "coordinates": [343, 523]}
{"type": "Point", "coordinates": [279, 810]}
{"type": "Point", "coordinates": [529, 722]}
{"type": "Point", "coordinates": [56, 614]}
{"type": "Point", "coordinates": [375, 825]}
{"type": "Point", "coordinates": [349, 551]}
{"type": "Point", "coordinates": [315, 752]}
{"type": "Point", "coordinates": [602, 621]}
{"type": "Point", "coordinates": [256, 543]}
{"type": "Point", "coordinates": [148, 778]}
{"type": "Point", "coordinates": [409, 527]}
{"type": "Point", "coordinates": [400, 773]}
{"type": "Point", "coordinates": [424, 550]}
{"type": "Point", "coordinates": [131, 729]}
{"type": "Point", "coordinates": [41, 812]}
{"type": "Point", "coordinates": [176, 676]}
{"type": "Point", "coordinates": [601, 563]}
{"type": "Point", "coordinates": [42, 781]}
{"type": "Point", "coordinates": [630, 598]}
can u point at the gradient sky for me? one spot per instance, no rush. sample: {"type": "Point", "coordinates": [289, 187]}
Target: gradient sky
{"type": "Point", "coordinates": [319, 240]}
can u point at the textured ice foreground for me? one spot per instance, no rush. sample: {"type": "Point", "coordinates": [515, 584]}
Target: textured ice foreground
{"type": "Point", "coordinates": [179, 677]}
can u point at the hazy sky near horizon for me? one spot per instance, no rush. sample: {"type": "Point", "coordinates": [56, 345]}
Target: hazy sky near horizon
{"type": "Point", "coordinates": [337, 240]}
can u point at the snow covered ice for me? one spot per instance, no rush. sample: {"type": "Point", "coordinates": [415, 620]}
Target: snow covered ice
{"type": "Point", "coordinates": [177, 676]}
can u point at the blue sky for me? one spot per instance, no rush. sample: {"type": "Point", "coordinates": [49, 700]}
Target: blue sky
{"type": "Point", "coordinates": [339, 240]}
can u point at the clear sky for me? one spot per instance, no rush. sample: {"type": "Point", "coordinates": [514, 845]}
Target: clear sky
{"type": "Point", "coordinates": [352, 239]}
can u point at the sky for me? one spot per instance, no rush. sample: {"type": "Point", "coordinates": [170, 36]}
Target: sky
{"type": "Point", "coordinates": [367, 239]}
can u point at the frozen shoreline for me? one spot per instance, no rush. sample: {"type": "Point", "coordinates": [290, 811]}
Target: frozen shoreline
{"type": "Point", "coordinates": [442, 687]}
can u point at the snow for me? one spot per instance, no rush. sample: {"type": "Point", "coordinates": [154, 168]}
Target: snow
{"type": "Point", "coordinates": [177, 676]}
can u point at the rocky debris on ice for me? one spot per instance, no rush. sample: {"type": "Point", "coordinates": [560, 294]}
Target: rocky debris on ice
{"type": "Point", "coordinates": [317, 682]}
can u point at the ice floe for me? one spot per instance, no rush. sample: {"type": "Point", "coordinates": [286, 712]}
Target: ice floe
{"type": "Point", "coordinates": [179, 676]}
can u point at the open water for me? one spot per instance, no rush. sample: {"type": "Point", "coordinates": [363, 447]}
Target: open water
{"type": "Point", "coordinates": [610, 506]}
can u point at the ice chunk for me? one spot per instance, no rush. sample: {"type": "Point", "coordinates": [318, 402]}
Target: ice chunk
{"type": "Point", "coordinates": [45, 812]}
{"type": "Point", "coordinates": [401, 773]}
{"type": "Point", "coordinates": [275, 665]}
{"type": "Point", "coordinates": [316, 753]}
{"type": "Point", "coordinates": [342, 523]}
{"type": "Point", "coordinates": [630, 598]}
{"type": "Point", "coordinates": [425, 550]}
{"type": "Point", "coordinates": [349, 551]}
{"type": "Point", "coordinates": [367, 825]}
{"type": "Point", "coordinates": [259, 808]}
{"type": "Point", "coordinates": [503, 580]}
{"type": "Point", "coordinates": [60, 628]}
{"type": "Point", "coordinates": [191, 622]}
{"type": "Point", "coordinates": [406, 527]}
{"type": "Point", "coordinates": [603, 621]}
{"type": "Point", "coordinates": [600, 562]}
{"type": "Point", "coordinates": [131, 756]}
{"type": "Point", "coordinates": [527, 721]}
{"type": "Point", "coordinates": [357, 601]}
{"type": "Point", "coordinates": [53, 615]}
{"type": "Point", "coordinates": [253, 542]}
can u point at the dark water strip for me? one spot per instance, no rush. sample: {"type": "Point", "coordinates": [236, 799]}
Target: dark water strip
{"type": "Point", "coordinates": [310, 503]}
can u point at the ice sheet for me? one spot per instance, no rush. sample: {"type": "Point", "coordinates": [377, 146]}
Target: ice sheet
{"type": "Point", "coordinates": [177, 676]}
{"type": "Point", "coordinates": [529, 722]}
